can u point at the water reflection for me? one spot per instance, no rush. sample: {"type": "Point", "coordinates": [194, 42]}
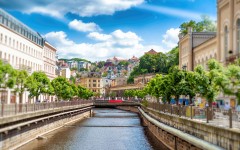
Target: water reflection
{"type": "Point", "coordinates": [108, 129]}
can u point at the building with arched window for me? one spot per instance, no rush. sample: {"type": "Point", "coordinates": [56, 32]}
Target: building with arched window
{"type": "Point", "coordinates": [196, 48]}
{"type": "Point", "coordinates": [224, 45]}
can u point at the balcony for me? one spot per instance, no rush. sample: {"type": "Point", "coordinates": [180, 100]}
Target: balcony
{"type": "Point", "coordinates": [232, 58]}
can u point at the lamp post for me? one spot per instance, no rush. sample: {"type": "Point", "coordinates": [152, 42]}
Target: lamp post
{"type": "Point", "coordinates": [184, 67]}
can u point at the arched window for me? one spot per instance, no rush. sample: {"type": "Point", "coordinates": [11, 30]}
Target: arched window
{"type": "Point", "coordinates": [226, 40]}
{"type": "Point", "coordinates": [238, 35]}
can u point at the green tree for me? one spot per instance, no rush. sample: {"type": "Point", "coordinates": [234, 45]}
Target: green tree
{"type": "Point", "coordinates": [7, 77]}
{"type": "Point", "coordinates": [206, 24]}
{"type": "Point", "coordinates": [176, 76]}
{"type": "Point", "coordinates": [184, 27]}
{"type": "Point", "coordinates": [62, 88]}
{"type": "Point", "coordinates": [188, 85]}
{"type": "Point", "coordinates": [84, 93]}
{"type": "Point", "coordinates": [172, 58]}
{"type": "Point", "coordinates": [21, 80]}
{"type": "Point", "coordinates": [37, 84]}
{"type": "Point", "coordinates": [100, 64]}
{"type": "Point", "coordinates": [233, 82]}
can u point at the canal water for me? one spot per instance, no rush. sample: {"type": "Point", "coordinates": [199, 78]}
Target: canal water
{"type": "Point", "coordinates": [108, 129]}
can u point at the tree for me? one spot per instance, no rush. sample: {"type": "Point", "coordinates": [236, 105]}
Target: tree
{"type": "Point", "coordinates": [176, 77]}
{"type": "Point", "coordinates": [84, 93]}
{"type": "Point", "coordinates": [184, 27]}
{"type": "Point", "coordinates": [210, 83]}
{"type": "Point", "coordinates": [21, 80]}
{"type": "Point", "coordinates": [63, 89]}
{"type": "Point", "coordinates": [100, 64]}
{"type": "Point", "coordinates": [7, 76]}
{"type": "Point", "coordinates": [233, 82]}
{"type": "Point", "coordinates": [206, 24]}
{"type": "Point", "coordinates": [172, 58]}
{"type": "Point", "coordinates": [37, 84]}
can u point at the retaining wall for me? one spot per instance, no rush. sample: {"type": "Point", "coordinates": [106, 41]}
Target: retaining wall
{"type": "Point", "coordinates": [17, 137]}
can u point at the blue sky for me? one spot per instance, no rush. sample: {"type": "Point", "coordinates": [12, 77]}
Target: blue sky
{"type": "Point", "coordinates": [99, 29]}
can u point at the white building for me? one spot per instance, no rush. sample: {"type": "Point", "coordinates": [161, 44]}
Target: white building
{"type": "Point", "coordinates": [66, 73]}
{"type": "Point", "coordinates": [49, 60]}
{"type": "Point", "coordinates": [22, 47]}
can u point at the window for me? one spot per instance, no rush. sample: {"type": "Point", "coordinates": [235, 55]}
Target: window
{"type": "Point", "coordinates": [94, 85]}
{"type": "Point", "coordinates": [5, 39]}
{"type": "Point", "coordinates": [226, 41]}
{"type": "Point", "coordinates": [9, 42]}
{"type": "Point", "coordinates": [1, 37]}
{"type": "Point", "coordinates": [238, 35]}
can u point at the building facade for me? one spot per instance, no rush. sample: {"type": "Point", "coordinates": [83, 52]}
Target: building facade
{"type": "Point", "coordinates": [22, 48]}
{"type": "Point", "coordinates": [223, 45]}
{"type": "Point", "coordinates": [49, 58]}
{"type": "Point", "coordinates": [95, 84]}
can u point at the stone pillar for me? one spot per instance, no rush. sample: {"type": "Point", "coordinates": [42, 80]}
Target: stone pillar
{"type": "Point", "coordinates": [231, 25]}
{"type": "Point", "coordinates": [190, 51]}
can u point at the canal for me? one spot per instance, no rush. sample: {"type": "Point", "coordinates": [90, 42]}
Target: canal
{"type": "Point", "coordinates": [108, 129]}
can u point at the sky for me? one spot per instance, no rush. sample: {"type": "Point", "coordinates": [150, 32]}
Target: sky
{"type": "Point", "coordinates": [99, 29]}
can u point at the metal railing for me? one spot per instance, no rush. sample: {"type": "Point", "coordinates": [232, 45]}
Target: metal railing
{"type": "Point", "coordinates": [15, 109]}
{"type": "Point", "coordinates": [214, 116]}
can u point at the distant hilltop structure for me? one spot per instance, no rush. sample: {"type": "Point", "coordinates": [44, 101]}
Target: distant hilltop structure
{"type": "Point", "coordinates": [151, 52]}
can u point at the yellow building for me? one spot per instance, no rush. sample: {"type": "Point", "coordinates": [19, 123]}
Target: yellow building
{"type": "Point", "coordinates": [197, 48]}
{"type": "Point", "coordinates": [94, 84]}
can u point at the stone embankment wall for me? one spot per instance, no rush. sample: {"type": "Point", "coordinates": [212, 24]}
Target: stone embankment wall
{"type": "Point", "coordinates": [18, 137]}
{"type": "Point", "coordinates": [225, 138]}
{"type": "Point", "coordinates": [182, 134]}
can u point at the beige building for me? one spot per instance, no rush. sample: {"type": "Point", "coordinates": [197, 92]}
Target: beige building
{"type": "Point", "coordinates": [118, 81]}
{"type": "Point", "coordinates": [224, 45]}
{"type": "Point", "coordinates": [198, 48]}
{"type": "Point", "coordinates": [95, 84]}
{"type": "Point", "coordinates": [144, 79]}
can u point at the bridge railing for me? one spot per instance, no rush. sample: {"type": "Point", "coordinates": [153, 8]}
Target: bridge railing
{"type": "Point", "coordinates": [215, 116]}
{"type": "Point", "coordinates": [109, 101]}
{"type": "Point", "coordinates": [15, 109]}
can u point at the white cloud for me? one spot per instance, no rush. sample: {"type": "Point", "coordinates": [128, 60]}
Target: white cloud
{"type": "Point", "coordinates": [119, 43]}
{"type": "Point", "coordinates": [98, 36]}
{"type": "Point", "coordinates": [170, 38]}
{"type": "Point", "coordinates": [118, 38]}
{"type": "Point", "coordinates": [83, 27]}
{"type": "Point", "coordinates": [58, 8]}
